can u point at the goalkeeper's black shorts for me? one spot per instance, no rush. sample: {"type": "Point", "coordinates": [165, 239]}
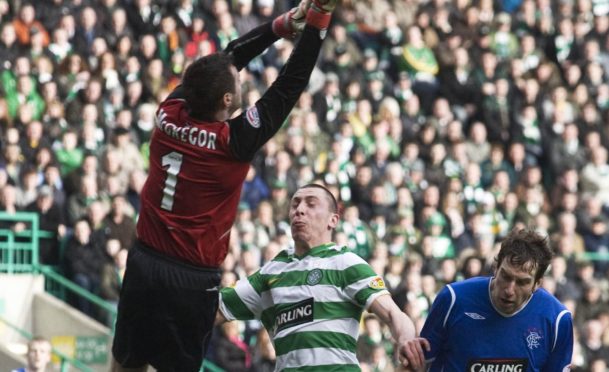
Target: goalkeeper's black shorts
{"type": "Point", "coordinates": [166, 312]}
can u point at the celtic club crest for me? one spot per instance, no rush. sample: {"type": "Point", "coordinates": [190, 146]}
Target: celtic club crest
{"type": "Point", "coordinates": [314, 277]}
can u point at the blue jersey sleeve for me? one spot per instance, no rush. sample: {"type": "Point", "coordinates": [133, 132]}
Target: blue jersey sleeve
{"type": "Point", "coordinates": [562, 350]}
{"type": "Point", "coordinates": [434, 329]}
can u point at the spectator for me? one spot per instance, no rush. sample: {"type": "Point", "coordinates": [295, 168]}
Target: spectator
{"type": "Point", "coordinates": [567, 150]}
{"type": "Point", "coordinates": [26, 23]}
{"type": "Point", "coordinates": [371, 336]}
{"type": "Point", "coordinates": [82, 260]}
{"type": "Point", "coordinates": [91, 94]}
{"type": "Point", "coordinates": [8, 199]}
{"type": "Point", "coordinates": [87, 30]}
{"type": "Point", "coordinates": [117, 26]}
{"type": "Point", "coordinates": [232, 354]}
{"type": "Point", "coordinates": [119, 223]}
{"type": "Point", "coordinates": [77, 203]}
{"type": "Point", "coordinates": [68, 153]}
{"type": "Point", "coordinates": [52, 178]}
{"type": "Point", "coordinates": [565, 287]}
{"type": "Point", "coordinates": [595, 176]}
{"type": "Point", "coordinates": [51, 221]}
{"type": "Point", "coordinates": [254, 189]}
{"type": "Point", "coordinates": [263, 358]}
{"type": "Point", "coordinates": [9, 47]}
{"type": "Point", "coordinates": [594, 347]}
{"type": "Point", "coordinates": [596, 241]}
{"type": "Point", "coordinates": [38, 355]}
{"type": "Point", "coordinates": [143, 16]}
{"type": "Point", "coordinates": [113, 272]}
{"type": "Point", "coordinates": [200, 34]}
{"type": "Point", "coordinates": [245, 19]}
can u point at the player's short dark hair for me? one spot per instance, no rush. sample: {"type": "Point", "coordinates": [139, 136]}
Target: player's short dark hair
{"type": "Point", "coordinates": [205, 82]}
{"type": "Point", "coordinates": [525, 248]}
{"type": "Point", "coordinates": [331, 198]}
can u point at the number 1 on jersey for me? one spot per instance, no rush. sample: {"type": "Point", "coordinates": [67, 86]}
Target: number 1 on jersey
{"type": "Point", "coordinates": [173, 162]}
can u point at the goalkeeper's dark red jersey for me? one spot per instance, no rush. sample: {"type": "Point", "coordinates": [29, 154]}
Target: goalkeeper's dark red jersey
{"type": "Point", "coordinates": [197, 168]}
{"type": "Point", "coordinates": [190, 199]}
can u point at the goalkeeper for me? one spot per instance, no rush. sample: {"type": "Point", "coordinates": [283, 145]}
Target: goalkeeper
{"type": "Point", "coordinates": [311, 300]}
{"type": "Point", "coordinates": [199, 157]}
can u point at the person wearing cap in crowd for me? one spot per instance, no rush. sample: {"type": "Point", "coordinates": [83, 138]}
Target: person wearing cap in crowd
{"type": "Point", "coordinates": [342, 64]}
{"type": "Point", "coordinates": [338, 43]}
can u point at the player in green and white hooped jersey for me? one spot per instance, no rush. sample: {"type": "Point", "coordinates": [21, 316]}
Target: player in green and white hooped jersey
{"type": "Point", "coordinates": [311, 301]}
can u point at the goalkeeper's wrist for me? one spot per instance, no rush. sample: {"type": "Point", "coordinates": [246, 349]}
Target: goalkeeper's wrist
{"type": "Point", "coordinates": [282, 27]}
{"type": "Point", "coordinates": [318, 18]}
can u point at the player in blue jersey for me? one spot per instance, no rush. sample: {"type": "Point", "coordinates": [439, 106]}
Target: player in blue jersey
{"type": "Point", "coordinates": [505, 323]}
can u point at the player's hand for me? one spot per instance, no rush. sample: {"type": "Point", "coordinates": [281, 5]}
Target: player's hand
{"type": "Point", "coordinates": [411, 354]}
{"type": "Point", "coordinates": [298, 17]}
{"type": "Point", "coordinates": [326, 6]}
{"type": "Point", "coordinates": [320, 13]}
{"type": "Point", "coordinates": [289, 24]}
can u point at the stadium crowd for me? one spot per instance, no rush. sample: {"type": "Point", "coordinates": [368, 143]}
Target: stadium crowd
{"type": "Point", "coordinates": [440, 125]}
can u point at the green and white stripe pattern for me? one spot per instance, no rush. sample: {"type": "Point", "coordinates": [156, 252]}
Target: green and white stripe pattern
{"type": "Point", "coordinates": [310, 305]}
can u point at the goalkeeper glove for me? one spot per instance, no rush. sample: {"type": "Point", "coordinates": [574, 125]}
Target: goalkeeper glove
{"type": "Point", "coordinates": [320, 13]}
{"type": "Point", "coordinates": [291, 23]}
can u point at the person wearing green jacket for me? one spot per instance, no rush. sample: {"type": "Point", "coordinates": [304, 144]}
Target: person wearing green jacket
{"type": "Point", "coordinates": [419, 61]}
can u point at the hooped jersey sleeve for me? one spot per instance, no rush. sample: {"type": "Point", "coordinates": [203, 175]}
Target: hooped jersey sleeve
{"type": "Point", "coordinates": [243, 301]}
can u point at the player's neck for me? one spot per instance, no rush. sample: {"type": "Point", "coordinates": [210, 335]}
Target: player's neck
{"type": "Point", "coordinates": [221, 115]}
{"type": "Point", "coordinates": [303, 248]}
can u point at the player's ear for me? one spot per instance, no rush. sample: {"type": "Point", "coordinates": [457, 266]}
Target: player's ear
{"type": "Point", "coordinates": [334, 218]}
{"type": "Point", "coordinates": [227, 99]}
{"type": "Point", "coordinates": [537, 285]}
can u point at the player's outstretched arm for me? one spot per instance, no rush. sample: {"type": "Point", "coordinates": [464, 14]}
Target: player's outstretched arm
{"type": "Point", "coordinates": [410, 353]}
{"type": "Point", "coordinates": [251, 130]}
{"type": "Point", "coordinates": [253, 43]}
